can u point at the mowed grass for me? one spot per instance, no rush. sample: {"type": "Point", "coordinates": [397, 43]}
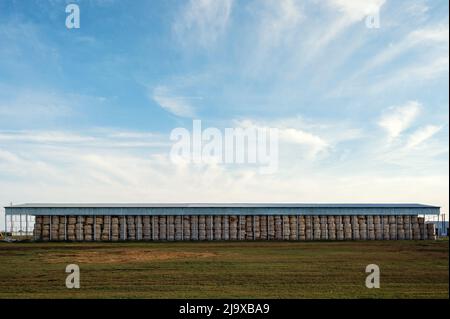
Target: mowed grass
{"type": "Point", "coordinates": [409, 269]}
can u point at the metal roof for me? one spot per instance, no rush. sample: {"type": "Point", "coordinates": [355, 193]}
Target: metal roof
{"type": "Point", "coordinates": [221, 205]}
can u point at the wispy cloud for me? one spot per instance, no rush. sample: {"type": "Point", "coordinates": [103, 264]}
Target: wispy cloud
{"type": "Point", "coordinates": [30, 103]}
{"type": "Point", "coordinates": [421, 135]}
{"type": "Point", "coordinates": [177, 105]}
{"type": "Point", "coordinates": [424, 37]}
{"type": "Point", "coordinates": [203, 22]}
{"type": "Point", "coordinates": [396, 119]}
{"type": "Point", "coordinates": [349, 12]}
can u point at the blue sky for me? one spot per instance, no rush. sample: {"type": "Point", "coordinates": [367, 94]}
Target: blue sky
{"type": "Point", "coordinates": [85, 114]}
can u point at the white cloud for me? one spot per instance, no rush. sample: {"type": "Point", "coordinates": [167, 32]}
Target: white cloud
{"type": "Point", "coordinates": [350, 12]}
{"type": "Point", "coordinates": [100, 139]}
{"type": "Point", "coordinates": [289, 135]}
{"type": "Point", "coordinates": [436, 35]}
{"type": "Point", "coordinates": [417, 74]}
{"type": "Point", "coordinates": [396, 119]}
{"type": "Point", "coordinates": [357, 10]}
{"type": "Point", "coordinates": [421, 135]}
{"type": "Point", "coordinates": [176, 105]}
{"type": "Point", "coordinates": [203, 22]}
{"type": "Point", "coordinates": [316, 143]}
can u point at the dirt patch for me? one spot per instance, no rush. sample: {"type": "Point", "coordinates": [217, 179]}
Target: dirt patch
{"type": "Point", "coordinates": [123, 256]}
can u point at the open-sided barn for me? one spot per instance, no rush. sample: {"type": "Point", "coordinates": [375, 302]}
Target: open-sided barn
{"type": "Point", "coordinates": [174, 222]}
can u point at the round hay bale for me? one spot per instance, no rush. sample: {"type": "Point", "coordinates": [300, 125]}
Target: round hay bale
{"type": "Point", "coordinates": [186, 227]}
{"type": "Point", "coordinates": [217, 231]}
{"type": "Point", "coordinates": [226, 227]}
{"type": "Point", "coordinates": [201, 227]}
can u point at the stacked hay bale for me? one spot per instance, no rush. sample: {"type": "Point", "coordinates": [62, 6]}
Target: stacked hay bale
{"type": "Point", "coordinates": [293, 227]}
{"type": "Point", "coordinates": [241, 228]}
{"type": "Point", "coordinates": [323, 227]}
{"type": "Point", "coordinates": [348, 230]}
{"type": "Point", "coordinates": [170, 228]}
{"type": "Point", "coordinates": [378, 227]}
{"type": "Point", "coordinates": [162, 227]}
{"type": "Point", "coordinates": [423, 231]}
{"type": "Point", "coordinates": [270, 227]}
{"type": "Point", "coordinates": [146, 228]}
{"type": "Point", "coordinates": [248, 227]}
{"type": "Point", "coordinates": [37, 231]}
{"type": "Point", "coordinates": [257, 227]}
{"type": "Point", "coordinates": [71, 228]}
{"type": "Point", "coordinates": [278, 227]}
{"type": "Point", "coordinates": [386, 227]}
{"type": "Point", "coordinates": [331, 227]}
{"type": "Point", "coordinates": [400, 229]}
{"type": "Point", "coordinates": [122, 228]}
{"type": "Point", "coordinates": [362, 227]}
{"type": "Point", "coordinates": [431, 231]}
{"type": "Point", "coordinates": [138, 225]}
{"type": "Point", "coordinates": [201, 227]}
{"type": "Point", "coordinates": [263, 227]}
{"type": "Point", "coordinates": [115, 230]}
{"type": "Point", "coordinates": [46, 228]}
{"type": "Point", "coordinates": [155, 227]}
{"type": "Point", "coordinates": [392, 228]}
{"type": "Point", "coordinates": [98, 223]}
{"type": "Point", "coordinates": [407, 227]}
{"type": "Point", "coordinates": [54, 228]}
{"type": "Point", "coordinates": [308, 227]}
{"type": "Point", "coordinates": [370, 227]}
{"type": "Point", "coordinates": [209, 228]}
{"type": "Point", "coordinates": [106, 229]}
{"type": "Point", "coordinates": [62, 229]}
{"type": "Point", "coordinates": [355, 227]}
{"type": "Point", "coordinates": [217, 227]}
{"type": "Point", "coordinates": [316, 228]}
{"type": "Point", "coordinates": [186, 227]}
{"type": "Point", "coordinates": [88, 228]}
{"type": "Point", "coordinates": [338, 222]}
{"type": "Point", "coordinates": [234, 227]}
{"type": "Point", "coordinates": [285, 225]}
{"type": "Point", "coordinates": [226, 228]}
{"type": "Point", "coordinates": [194, 227]}
{"type": "Point", "coordinates": [131, 228]}
{"type": "Point", "coordinates": [301, 228]}
{"type": "Point", "coordinates": [178, 227]}
{"type": "Point", "coordinates": [415, 228]}
{"type": "Point", "coordinates": [79, 234]}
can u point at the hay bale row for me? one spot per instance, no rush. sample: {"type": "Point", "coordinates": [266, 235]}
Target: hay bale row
{"type": "Point", "coordinates": [278, 227]}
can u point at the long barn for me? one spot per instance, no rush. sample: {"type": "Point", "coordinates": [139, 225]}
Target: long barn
{"type": "Point", "coordinates": [177, 222]}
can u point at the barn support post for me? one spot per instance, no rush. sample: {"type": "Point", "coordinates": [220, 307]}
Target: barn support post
{"type": "Point", "coordinates": [26, 225]}
{"type": "Point", "coordinates": [6, 225]}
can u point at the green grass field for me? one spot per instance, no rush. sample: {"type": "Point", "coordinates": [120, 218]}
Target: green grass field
{"type": "Point", "coordinates": [409, 269]}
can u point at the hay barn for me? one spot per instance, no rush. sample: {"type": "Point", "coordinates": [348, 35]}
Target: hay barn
{"type": "Point", "coordinates": [176, 222]}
